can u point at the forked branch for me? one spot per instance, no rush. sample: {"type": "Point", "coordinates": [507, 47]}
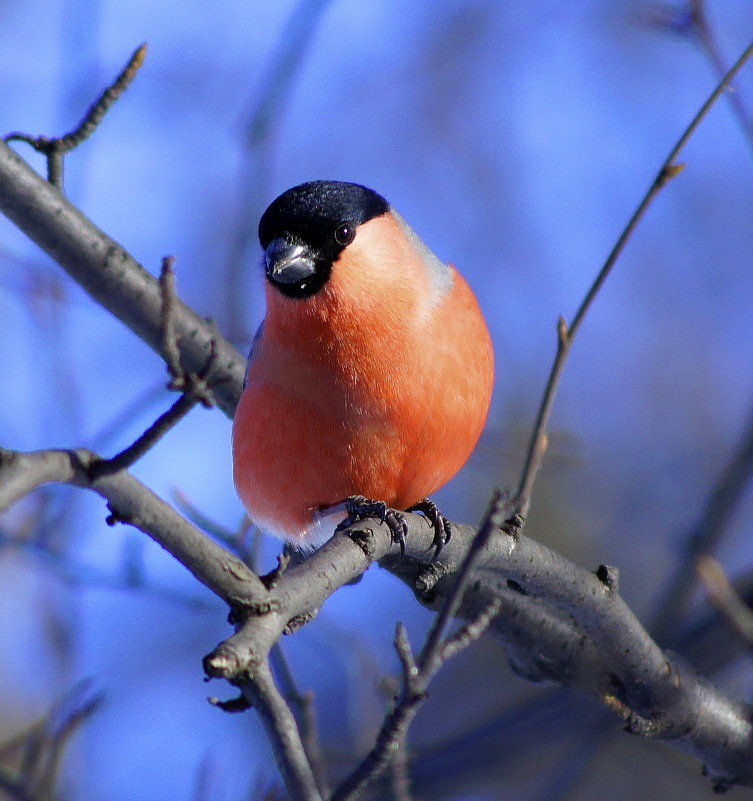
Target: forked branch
{"type": "Point", "coordinates": [55, 148]}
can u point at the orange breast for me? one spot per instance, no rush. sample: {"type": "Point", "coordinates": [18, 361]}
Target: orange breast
{"type": "Point", "coordinates": [371, 387]}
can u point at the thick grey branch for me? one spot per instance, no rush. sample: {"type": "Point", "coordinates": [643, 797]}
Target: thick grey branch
{"type": "Point", "coordinates": [131, 502]}
{"type": "Point", "coordinates": [110, 275]}
{"type": "Point", "coordinates": [562, 623]}
{"type": "Point", "coordinates": [654, 692]}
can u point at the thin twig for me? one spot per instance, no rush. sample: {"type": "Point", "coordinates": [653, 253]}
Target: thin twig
{"type": "Point", "coordinates": [14, 790]}
{"type": "Point", "coordinates": [690, 21]}
{"type": "Point", "coordinates": [566, 333]}
{"type": "Point", "coordinates": [263, 122]}
{"type": "Point", "coordinates": [418, 673]}
{"type": "Point", "coordinates": [405, 654]}
{"type": "Point", "coordinates": [54, 148]}
{"type": "Point", "coordinates": [104, 102]}
{"type": "Point", "coordinates": [146, 441]}
{"type": "Point", "coordinates": [312, 742]}
{"type": "Point", "coordinates": [494, 520]}
{"type": "Point", "coordinates": [42, 746]}
{"type": "Point", "coordinates": [67, 716]}
{"type": "Point", "coordinates": [724, 597]}
{"type": "Point", "coordinates": [390, 734]}
{"type": "Point", "coordinates": [416, 678]}
{"type": "Point", "coordinates": [705, 535]}
{"type": "Point", "coordinates": [470, 631]}
{"type": "Point", "coordinates": [196, 387]}
{"type": "Point", "coordinates": [400, 784]}
{"type": "Point", "coordinates": [283, 733]}
{"type": "Point", "coordinates": [170, 350]}
{"type": "Point", "coordinates": [196, 384]}
{"type": "Point", "coordinates": [706, 37]}
{"type": "Point", "coordinates": [303, 704]}
{"type": "Point", "coordinates": [132, 502]}
{"type": "Point", "coordinates": [198, 518]}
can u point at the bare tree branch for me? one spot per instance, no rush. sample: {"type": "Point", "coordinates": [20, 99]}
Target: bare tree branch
{"type": "Point", "coordinates": [655, 694]}
{"type": "Point", "coordinates": [690, 20]}
{"type": "Point", "coordinates": [111, 276]}
{"type": "Point", "coordinates": [417, 675]}
{"type": "Point", "coordinates": [131, 502]}
{"type": "Point", "coordinates": [14, 790]}
{"type": "Point", "coordinates": [196, 387]}
{"type": "Point", "coordinates": [704, 536]}
{"type": "Point", "coordinates": [400, 784]}
{"type": "Point", "coordinates": [55, 148]}
{"type": "Point", "coordinates": [303, 704]}
{"type": "Point", "coordinates": [616, 659]}
{"type": "Point", "coordinates": [726, 599]}
{"type": "Point", "coordinates": [566, 333]}
{"type": "Point", "coordinates": [40, 748]}
{"type": "Point", "coordinates": [278, 720]}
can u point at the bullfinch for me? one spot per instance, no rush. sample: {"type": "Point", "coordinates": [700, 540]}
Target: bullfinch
{"type": "Point", "coordinates": [370, 379]}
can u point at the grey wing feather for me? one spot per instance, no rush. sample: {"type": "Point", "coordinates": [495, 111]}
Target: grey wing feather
{"type": "Point", "coordinates": [257, 337]}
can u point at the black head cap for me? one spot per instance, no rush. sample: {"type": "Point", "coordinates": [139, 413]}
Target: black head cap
{"type": "Point", "coordinates": [319, 219]}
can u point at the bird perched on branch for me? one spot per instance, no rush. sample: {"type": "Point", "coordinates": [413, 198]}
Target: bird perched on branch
{"type": "Point", "coordinates": [370, 378]}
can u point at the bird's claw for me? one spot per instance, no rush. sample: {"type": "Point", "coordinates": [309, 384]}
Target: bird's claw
{"type": "Point", "coordinates": [442, 526]}
{"type": "Point", "coordinates": [359, 507]}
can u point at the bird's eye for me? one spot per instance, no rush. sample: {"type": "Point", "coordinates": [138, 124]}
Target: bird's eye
{"type": "Point", "coordinates": [344, 234]}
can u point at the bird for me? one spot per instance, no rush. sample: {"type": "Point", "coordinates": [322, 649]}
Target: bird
{"type": "Point", "coordinates": [370, 378]}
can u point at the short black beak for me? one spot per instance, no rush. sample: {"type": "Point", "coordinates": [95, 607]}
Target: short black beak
{"type": "Point", "coordinates": [287, 263]}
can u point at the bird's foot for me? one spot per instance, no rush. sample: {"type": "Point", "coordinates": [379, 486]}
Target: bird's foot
{"type": "Point", "coordinates": [442, 527]}
{"type": "Point", "coordinates": [358, 507]}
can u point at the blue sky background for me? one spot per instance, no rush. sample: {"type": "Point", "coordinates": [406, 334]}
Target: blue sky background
{"type": "Point", "coordinates": [516, 138]}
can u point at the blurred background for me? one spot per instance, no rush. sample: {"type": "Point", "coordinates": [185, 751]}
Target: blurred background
{"type": "Point", "coordinates": [516, 138]}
